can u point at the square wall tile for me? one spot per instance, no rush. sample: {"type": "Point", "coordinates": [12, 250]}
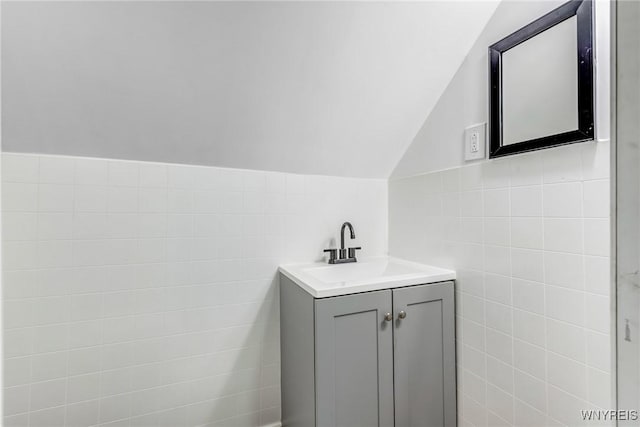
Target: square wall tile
{"type": "Point", "coordinates": [526, 201]}
{"type": "Point", "coordinates": [546, 284]}
{"type": "Point", "coordinates": [116, 270]}
{"type": "Point", "coordinates": [563, 235]}
{"type": "Point", "coordinates": [563, 200]}
{"type": "Point", "coordinates": [57, 170]}
{"type": "Point", "coordinates": [92, 171]}
{"type": "Point", "coordinates": [20, 168]}
{"type": "Point", "coordinates": [596, 198]}
{"type": "Point", "coordinates": [122, 173]}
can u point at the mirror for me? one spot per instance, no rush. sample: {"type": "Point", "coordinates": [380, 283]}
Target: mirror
{"type": "Point", "coordinates": [542, 83]}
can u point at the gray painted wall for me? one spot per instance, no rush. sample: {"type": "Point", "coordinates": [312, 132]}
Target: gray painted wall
{"type": "Point", "coordinates": [336, 88]}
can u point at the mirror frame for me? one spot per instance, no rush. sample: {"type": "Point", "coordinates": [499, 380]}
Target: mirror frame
{"type": "Point", "coordinates": [583, 10]}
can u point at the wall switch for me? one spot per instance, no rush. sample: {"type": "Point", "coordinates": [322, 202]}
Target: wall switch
{"type": "Point", "coordinates": [475, 141]}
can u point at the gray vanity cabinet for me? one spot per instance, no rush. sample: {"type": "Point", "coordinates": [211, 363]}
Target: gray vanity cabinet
{"type": "Point", "coordinates": [424, 356]}
{"type": "Point", "coordinates": [354, 360]}
{"type": "Point", "coordinates": [373, 359]}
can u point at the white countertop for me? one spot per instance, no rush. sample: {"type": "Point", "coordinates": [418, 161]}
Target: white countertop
{"type": "Point", "coordinates": [369, 274]}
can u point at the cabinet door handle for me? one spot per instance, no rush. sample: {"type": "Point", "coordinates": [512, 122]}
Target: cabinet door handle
{"type": "Point", "coordinates": [388, 317]}
{"type": "Point", "coordinates": [402, 314]}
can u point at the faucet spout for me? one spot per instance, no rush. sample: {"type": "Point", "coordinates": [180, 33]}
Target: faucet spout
{"type": "Point", "coordinates": [353, 234]}
{"type": "Point", "coordinates": [342, 255]}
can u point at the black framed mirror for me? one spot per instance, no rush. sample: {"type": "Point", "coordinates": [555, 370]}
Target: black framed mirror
{"type": "Point", "coordinates": [542, 83]}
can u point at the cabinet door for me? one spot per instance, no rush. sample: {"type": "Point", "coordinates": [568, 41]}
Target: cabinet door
{"type": "Point", "coordinates": [354, 361]}
{"type": "Point", "coordinates": [424, 356]}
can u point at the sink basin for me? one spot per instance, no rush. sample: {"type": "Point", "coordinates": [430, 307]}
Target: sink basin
{"type": "Point", "coordinates": [323, 280]}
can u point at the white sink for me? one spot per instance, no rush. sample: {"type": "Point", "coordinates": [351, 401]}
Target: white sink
{"type": "Point", "coordinates": [370, 274]}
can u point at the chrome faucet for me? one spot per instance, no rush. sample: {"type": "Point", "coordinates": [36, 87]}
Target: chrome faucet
{"type": "Point", "coordinates": [345, 255]}
{"type": "Point", "coordinates": [343, 251]}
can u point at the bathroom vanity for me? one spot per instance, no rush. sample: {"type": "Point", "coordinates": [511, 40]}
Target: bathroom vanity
{"type": "Point", "coordinates": [367, 344]}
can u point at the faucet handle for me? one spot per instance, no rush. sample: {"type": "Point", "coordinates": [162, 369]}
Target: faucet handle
{"type": "Point", "coordinates": [332, 255]}
{"type": "Point", "coordinates": [352, 251]}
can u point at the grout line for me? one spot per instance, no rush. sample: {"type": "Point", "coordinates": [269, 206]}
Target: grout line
{"type": "Point", "coordinates": [164, 361]}
{"type": "Point", "coordinates": [66, 386]}
{"type": "Point", "coordinates": [225, 396]}
{"type": "Point", "coordinates": [512, 335]}
{"type": "Point", "coordinates": [37, 196]}
{"type": "Point", "coordinates": [544, 306]}
{"type": "Point", "coordinates": [484, 327]}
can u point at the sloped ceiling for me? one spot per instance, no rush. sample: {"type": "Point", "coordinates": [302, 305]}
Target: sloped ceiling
{"type": "Point", "coordinates": [334, 88]}
{"type": "Point", "coordinates": [439, 144]}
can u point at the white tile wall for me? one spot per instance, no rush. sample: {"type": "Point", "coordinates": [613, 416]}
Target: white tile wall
{"type": "Point", "coordinates": [143, 294]}
{"type": "Point", "coordinates": [529, 237]}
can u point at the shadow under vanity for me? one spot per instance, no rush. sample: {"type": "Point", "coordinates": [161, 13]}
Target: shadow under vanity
{"type": "Point", "coordinates": [367, 344]}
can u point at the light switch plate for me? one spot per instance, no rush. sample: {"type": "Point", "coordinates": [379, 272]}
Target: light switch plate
{"type": "Point", "coordinates": [475, 138]}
